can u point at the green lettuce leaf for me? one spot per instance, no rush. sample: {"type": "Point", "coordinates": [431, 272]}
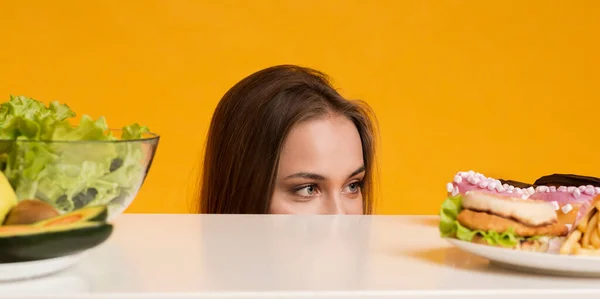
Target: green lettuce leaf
{"type": "Point", "coordinates": [134, 131]}
{"type": "Point", "coordinates": [67, 175]}
{"type": "Point", "coordinates": [448, 213]}
{"type": "Point", "coordinates": [449, 227]}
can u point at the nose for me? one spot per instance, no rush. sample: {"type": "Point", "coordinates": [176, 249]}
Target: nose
{"type": "Point", "coordinates": [336, 204]}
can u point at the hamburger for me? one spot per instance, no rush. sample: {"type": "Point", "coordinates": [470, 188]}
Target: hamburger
{"type": "Point", "coordinates": [513, 214]}
{"type": "Point", "coordinates": [502, 220]}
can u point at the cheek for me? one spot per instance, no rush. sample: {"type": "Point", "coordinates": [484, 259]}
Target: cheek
{"type": "Point", "coordinates": [279, 204]}
{"type": "Point", "coordinates": [354, 206]}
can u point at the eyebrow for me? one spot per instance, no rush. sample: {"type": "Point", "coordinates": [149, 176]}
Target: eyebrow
{"type": "Point", "coordinates": [318, 177]}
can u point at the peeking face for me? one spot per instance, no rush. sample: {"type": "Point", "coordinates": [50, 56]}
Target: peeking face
{"type": "Point", "coordinates": [321, 169]}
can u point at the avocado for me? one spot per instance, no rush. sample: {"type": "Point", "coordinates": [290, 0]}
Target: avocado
{"type": "Point", "coordinates": [19, 243]}
{"type": "Point", "coordinates": [8, 197]}
{"type": "Point", "coordinates": [30, 211]}
{"type": "Point", "coordinates": [91, 213]}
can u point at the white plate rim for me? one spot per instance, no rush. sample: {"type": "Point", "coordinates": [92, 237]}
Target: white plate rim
{"type": "Point", "coordinates": [541, 262]}
{"type": "Point", "coordinates": [38, 268]}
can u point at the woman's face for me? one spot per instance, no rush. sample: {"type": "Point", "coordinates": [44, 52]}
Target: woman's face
{"type": "Point", "coordinates": [321, 169]}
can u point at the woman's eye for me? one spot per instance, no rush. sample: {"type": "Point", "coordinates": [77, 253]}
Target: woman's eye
{"type": "Point", "coordinates": [353, 187]}
{"type": "Point", "coordinates": [307, 191]}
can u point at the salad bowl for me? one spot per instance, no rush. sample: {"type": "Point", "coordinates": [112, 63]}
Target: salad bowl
{"type": "Point", "coordinates": [70, 175]}
{"type": "Point", "coordinates": [45, 157]}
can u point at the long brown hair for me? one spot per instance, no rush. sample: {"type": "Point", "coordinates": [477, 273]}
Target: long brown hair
{"type": "Point", "coordinates": [249, 127]}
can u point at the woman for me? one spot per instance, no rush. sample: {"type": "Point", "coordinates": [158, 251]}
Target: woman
{"type": "Point", "coordinates": [283, 141]}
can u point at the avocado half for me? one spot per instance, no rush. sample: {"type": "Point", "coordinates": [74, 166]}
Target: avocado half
{"type": "Point", "coordinates": [59, 236]}
{"type": "Point", "coordinates": [29, 243]}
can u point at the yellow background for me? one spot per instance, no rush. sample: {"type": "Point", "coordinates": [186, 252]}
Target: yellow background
{"type": "Point", "coordinates": [507, 88]}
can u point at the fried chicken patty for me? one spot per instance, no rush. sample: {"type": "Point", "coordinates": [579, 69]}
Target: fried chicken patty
{"type": "Point", "coordinates": [487, 222]}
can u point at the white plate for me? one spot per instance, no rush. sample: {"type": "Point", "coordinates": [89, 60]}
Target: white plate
{"type": "Point", "coordinates": [33, 269]}
{"type": "Point", "coordinates": [537, 262]}
{"type": "Point", "coordinates": [61, 283]}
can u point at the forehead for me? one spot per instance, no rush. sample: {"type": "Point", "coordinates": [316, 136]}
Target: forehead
{"type": "Point", "coordinates": [328, 146]}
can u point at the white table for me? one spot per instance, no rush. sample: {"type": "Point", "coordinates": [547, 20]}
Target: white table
{"type": "Point", "coordinates": [237, 256]}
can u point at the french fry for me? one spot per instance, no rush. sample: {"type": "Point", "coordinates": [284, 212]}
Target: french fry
{"type": "Point", "coordinates": [588, 252]}
{"type": "Point", "coordinates": [597, 205]}
{"type": "Point", "coordinates": [567, 246]}
{"type": "Point", "coordinates": [592, 224]}
{"type": "Point", "coordinates": [585, 240]}
{"type": "Point", "coordinates": [598, 227]}
{"type": "Point", "coordinates": [582, 226]}
{"type": "Point", "coordinates": [595, 238]}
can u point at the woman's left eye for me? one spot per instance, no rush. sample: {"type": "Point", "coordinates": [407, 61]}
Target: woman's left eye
{"type": "Point", "coordinates": [353, 187]}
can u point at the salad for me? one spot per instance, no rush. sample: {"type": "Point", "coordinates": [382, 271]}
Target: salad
{"type": "Point", "coordinates": [44, 156]}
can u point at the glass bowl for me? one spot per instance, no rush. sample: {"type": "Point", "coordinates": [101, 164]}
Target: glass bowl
{"type": "Point", "coordinates": [71, 175]}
